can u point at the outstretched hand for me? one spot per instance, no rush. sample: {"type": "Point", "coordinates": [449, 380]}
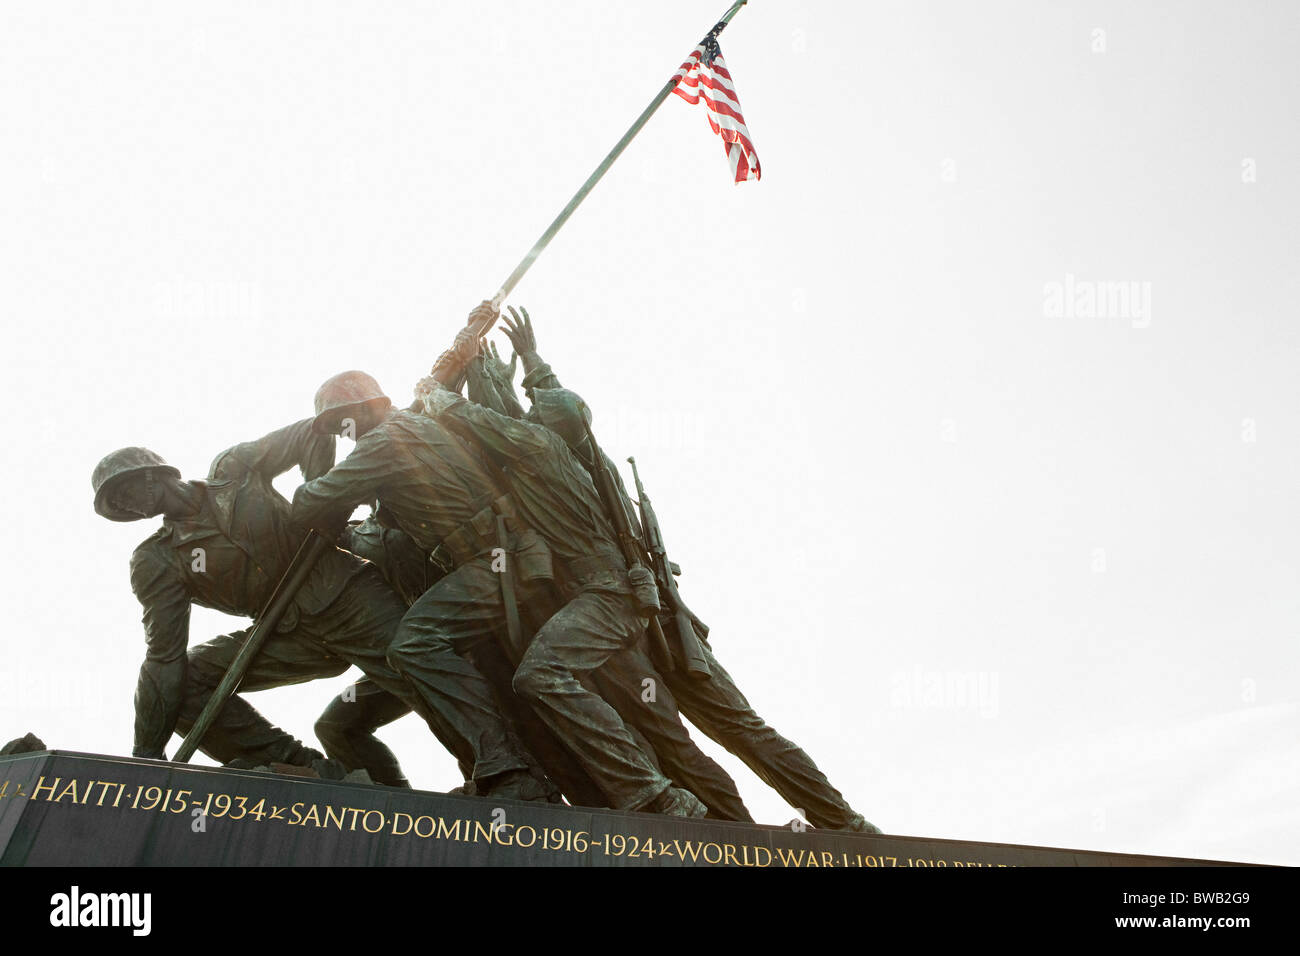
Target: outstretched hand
{"type": "Point", "coordinates": [519, 331]}
{"type": "Point", "coordinates": [493, 363]}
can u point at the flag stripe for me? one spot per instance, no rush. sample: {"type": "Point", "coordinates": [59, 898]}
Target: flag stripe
{"type": "Point", "coordinates": [701, 79]}
{"type": "Point", "coordinates": [729, 129]}
{"type": "Point", "coordinates": [697, 86]}
{"type": "Point", "coordinates": [721, 117]}
{"type": "Point", "coordinates": [724, 110]}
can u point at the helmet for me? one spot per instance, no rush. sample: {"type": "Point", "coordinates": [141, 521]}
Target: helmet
{"type": "Point", "coordinates": [346, 392]}
{"type": "Point", "coordinates": [559, 409]}
{"type": "Point", "coordinates": [113, 468]}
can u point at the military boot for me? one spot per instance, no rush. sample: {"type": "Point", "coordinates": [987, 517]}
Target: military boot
{"type": "Point", "coordinates": [676, 802]}
{"type": "Point", "coordinates": [859, 824]}
{"type": "Point", "coordinates": [515, 785]}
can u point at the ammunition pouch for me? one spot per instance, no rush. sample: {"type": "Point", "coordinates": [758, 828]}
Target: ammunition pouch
{"type": "Point", "coordinates": [608, 569]}
{"type": "Point", "coordinates": [644, 589]}
{"type": "Point", "coordinates": [480, 535]}
{"type": "Point", "coordinates": [589, 567]}
{"type": "Point", "coordinates": [532, 556]}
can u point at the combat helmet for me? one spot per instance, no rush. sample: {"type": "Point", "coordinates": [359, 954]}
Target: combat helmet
{"type": "Point", "coordinates": [113, 467]}
{"type": "Point", "coordinates": [344, 392]}
{"type": "Point", "coordinates": [563, 412]}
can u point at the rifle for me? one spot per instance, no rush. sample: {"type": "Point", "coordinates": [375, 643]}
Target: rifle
{"type": "Point", "coordinates": [629, 543]}
{"type": "Point", "coordinates": [697, 665]}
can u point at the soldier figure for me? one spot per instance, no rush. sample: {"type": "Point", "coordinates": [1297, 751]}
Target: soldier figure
{"type": "Point", "coordinates": [431, 484]}
{"type": "Point", "coordinates": [225, 543]}
{"type": "Point", "coordinates": [716, 706]}
{"type": "Point", "coordinates": [347, 727]}
{"type": "Point", "coordinates": [621, 681]}
{"type": "Point", "coordinates": [495, 529]}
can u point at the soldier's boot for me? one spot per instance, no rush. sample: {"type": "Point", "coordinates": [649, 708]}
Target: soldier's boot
{"type": "Point", "coordinates": [676, 802]}
{"type": "Point", "coordinates": [329, 768]}
{"type": "Point", "coordinates": [516, 785]}
{"type": "Point", "coordinates": [304, 757]}
{"type": "Point", "coordinates": [298, 756]}
{"type": "Point", "coordinates": [859, 824]}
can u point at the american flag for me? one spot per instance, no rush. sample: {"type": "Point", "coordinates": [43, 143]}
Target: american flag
{"type": "Point", "coordinates": [704, 77]}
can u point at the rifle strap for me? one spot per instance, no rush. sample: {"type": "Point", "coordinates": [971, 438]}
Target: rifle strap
{"type": "Point", "coordinates": [507, 573]}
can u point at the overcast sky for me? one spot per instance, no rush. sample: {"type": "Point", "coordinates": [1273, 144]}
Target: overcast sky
{"type": "Point", "coordinates": [973, 424]}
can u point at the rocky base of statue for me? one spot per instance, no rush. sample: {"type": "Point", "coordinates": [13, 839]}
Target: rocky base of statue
{"type": "Point", "coordinates": [59, 808]}
{"type": "Point", "coordinates": [28, 743]}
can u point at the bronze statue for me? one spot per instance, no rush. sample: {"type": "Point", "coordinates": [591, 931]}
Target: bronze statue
{"type": "Point", "coordinates": [347, 729]}
{"type": "Point", "coordinates": [433, 486]}
{"type": "Point", "coordinates": [716, 705]}
{"type": "Point", "coordinates": [510, 594]}
{"type": "Point", "coordinates": [597, 619]}
{"type": "Point", "coordinates": [224, 543]}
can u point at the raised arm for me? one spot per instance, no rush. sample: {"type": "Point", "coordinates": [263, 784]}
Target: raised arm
{"type": "Point", "coordinates": [276, 453]}
{"type": "Point", "coordinates": [491, 381]}
{"type": "Point", "coordinates": [327, 501]}
{"type": "Point", "coordinates": [518, 328]}
{"type": "Point", "coordinates": [502, 436]}
{"type": "Point", "coordinates": [450, 367]}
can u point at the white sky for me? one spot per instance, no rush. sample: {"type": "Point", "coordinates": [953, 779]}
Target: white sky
{"type": "Point", "coordinates": [892, 477]}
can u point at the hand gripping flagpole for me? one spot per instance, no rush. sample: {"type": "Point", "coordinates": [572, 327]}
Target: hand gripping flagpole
{"type": "Point", "coordinates": [526, 263]}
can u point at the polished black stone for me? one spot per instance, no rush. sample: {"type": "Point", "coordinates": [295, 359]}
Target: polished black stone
{"type": "Point", "coordinates": [69, 809]}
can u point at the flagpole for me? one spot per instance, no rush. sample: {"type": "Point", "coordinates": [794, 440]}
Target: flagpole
{"type": "Point", "coordinates": [526, 263]}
